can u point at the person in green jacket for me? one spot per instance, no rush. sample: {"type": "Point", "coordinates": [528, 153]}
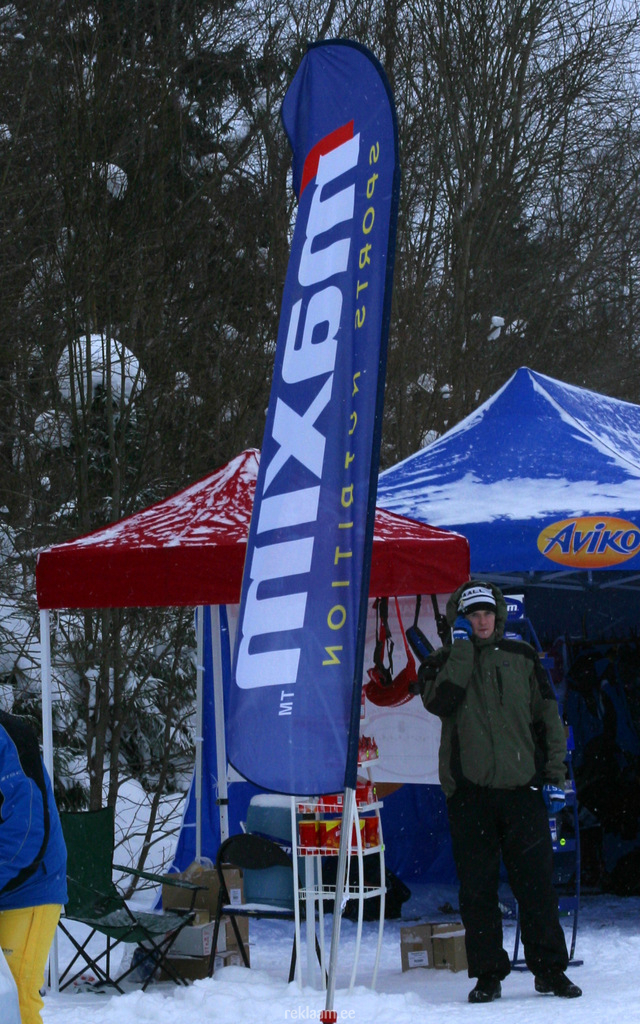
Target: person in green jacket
{"type": "Point", "coordinates": [501, 766]}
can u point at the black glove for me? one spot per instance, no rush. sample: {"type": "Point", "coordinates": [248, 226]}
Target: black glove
{"type": "Point", "coordinates": [426, 673]}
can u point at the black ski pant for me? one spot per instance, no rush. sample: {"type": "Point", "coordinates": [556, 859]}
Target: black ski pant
{"type": "Point", "coordinates": [487, 824]}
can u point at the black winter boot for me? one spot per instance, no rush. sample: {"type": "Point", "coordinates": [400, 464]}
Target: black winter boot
{"type": "Point", "coordinates": [557, 984]}
{"type": "Point", "coordinates": [487, 989]}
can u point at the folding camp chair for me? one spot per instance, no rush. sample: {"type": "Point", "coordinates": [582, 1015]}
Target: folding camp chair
{"type": "Point", "coordinates": [95, 901]}
{"type": "Point", "coordinates": [268, 873]}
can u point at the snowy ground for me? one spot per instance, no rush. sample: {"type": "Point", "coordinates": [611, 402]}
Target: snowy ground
{"type": "Point", "coordinates": [608, 942]}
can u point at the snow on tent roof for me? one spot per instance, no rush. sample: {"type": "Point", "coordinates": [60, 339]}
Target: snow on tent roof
{"type": "Point", "coordinates": [190, 549]}
{"type": "Point", "coordinates": [541, 466]}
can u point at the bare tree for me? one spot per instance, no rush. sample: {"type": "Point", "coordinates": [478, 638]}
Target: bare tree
{"type": "Point", "coordinates": [506, 110]}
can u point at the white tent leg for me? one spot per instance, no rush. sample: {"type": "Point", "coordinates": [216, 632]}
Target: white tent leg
{"type": "Point", "coordinates": [47, 718]}
{"type": "Point", "coordinates": [198, 738]}
{"type": "Point", "coordinates": [218, 703]}
{"type": "Point", "coordinates": [383, 891]}
{"type": "Point", "coordinates": [47, 751]}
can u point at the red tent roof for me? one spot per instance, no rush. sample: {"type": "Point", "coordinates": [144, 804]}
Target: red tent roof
{"type": "Point", "coordinates": [190, 549]}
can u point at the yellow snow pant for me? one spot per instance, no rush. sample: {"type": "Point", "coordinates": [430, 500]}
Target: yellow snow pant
{"type": "Point", "coordinates": [26, 936]}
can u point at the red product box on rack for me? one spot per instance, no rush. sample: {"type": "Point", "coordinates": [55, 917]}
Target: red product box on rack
{"type": "Point", "coordinates": [371, 832]}
{"type": "Point", "coordinates": [354, 840]}
{"type": "Point", "coordinates": [330, 801]}
{"type": "Point", "coordinates": [308, 833]}
{"type": "Point", "coordinates": [329, 834]}
{"type": "Point", "coordinates": [367, 749]}
{"type": "Point", "coordinates": [365, 792]}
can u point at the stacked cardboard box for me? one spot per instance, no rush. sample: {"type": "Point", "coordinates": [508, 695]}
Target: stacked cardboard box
{"type": "Point", "coordinates": [192, 949]}
{"type": "Point", "coordinates": [433, 944]}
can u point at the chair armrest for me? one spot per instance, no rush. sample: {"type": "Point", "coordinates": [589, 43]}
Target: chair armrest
{"type": "Point", "coordinates": [178, 883]}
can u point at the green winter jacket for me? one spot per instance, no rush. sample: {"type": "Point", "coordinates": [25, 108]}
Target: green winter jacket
{"type": "Point", "coordinates": [500, 722]}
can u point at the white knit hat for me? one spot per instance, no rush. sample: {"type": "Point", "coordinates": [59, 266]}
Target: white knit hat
{"type": "Point", "coordinates": [476, 597]}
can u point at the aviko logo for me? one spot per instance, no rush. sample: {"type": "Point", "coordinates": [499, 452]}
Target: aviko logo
{"type": "Point", "coordinates": [590, 542]}
{"type": "Point", "coordinates": [309, 332]}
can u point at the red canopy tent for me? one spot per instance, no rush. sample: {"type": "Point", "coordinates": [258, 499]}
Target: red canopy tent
{"type": "Point", "coordinates": [189, 550]}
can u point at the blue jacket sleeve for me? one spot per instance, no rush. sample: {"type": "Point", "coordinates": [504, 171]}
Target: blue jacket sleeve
{"type": "Point", "coordinates": [22, 814]}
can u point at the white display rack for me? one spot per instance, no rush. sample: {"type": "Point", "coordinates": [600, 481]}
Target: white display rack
{"type": "Point", "coordinates": [315, 891]}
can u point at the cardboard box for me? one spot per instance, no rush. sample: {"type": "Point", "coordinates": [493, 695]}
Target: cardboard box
{"type": "Point", "coordinates": [232, 958]}
{"type": "Point", "coordinates": [196, 940]}
{"type": "Point", "coordinates": [434, 944]}
{"type": "Point", "coordinates": [202, 917]}
{"type": "Point", "coordinates": [191, 951]}
{"type": "Point", "coordinates": [414, 944]}
{"type": "Point", "coordinates": [449, 951]}
{"type": "Point", "coordinates": [173, 897]}
{"type": "Point", "coordinates": [193, 968]}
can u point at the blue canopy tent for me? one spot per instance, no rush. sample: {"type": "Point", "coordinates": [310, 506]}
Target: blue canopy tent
{"type": "Point", "coordinates": [543, 479]}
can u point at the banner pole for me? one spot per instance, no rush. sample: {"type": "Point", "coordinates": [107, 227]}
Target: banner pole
{"type": "Point", "coordinates": [345, 839]}
{"type": "Point", "coordinates": [329, 1015]}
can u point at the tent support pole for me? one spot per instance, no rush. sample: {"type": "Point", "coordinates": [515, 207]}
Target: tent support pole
{"type": "Point", "coordinates": [47, 751]}
{"type": "Point", "coordinates": [47, 719]}
{"type": "Point", "coordinates": [218, 703]}
{"type": "Point", "coordinates": [199, 717]}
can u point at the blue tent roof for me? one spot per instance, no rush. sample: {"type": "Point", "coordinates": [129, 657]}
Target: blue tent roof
{"type": "Point", "coordinates": [544, 476]}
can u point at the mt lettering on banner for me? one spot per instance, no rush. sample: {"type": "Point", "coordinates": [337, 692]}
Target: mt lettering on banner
{"type": "Point", "coordinates": [305, 586]}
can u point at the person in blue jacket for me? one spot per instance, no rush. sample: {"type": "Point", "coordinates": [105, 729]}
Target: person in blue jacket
{"type": "Point", "coordinates": [33, 862]}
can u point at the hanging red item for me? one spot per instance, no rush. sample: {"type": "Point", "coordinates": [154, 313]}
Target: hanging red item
{"type": "Point", "coordinates": [383, 689]}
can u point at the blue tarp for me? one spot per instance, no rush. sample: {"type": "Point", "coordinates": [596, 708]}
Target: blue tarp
{"type": "Point", "coordinates": [240, 793]}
